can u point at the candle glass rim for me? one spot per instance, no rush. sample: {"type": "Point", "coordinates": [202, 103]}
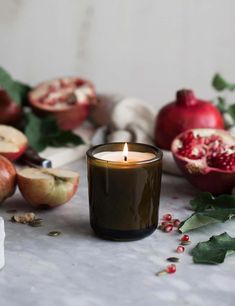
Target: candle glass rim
{"type": "Point", "coordinates": [158, 152]}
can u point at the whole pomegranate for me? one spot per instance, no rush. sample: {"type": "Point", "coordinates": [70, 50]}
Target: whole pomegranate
{"type": "Point", "coordinates": [7, 178]}
{"type": "Point", "coordinates": [67, 99]}
{"type": "Point", "coordinates": [207, 159]}
{"type": "Point", "coordinates": [10, 112]}
{"type": "Point", "coordinates": [187, 112]}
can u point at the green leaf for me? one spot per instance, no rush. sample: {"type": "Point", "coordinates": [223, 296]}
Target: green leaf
{"type": "Point", "coordinates": [16, 90]}
{"type": "Point", "coordinates": [220, 84]}
{"type": "Point", "coordinates": [209, 210]}
{"type": "Point", "coordinates": [221, 104]}
{"type": "Point", "coordinates": [231, 111]}
{"type": "Point", "coordinates": [214, 250]}
{"type": "Point", "coordinates": [44, 132]}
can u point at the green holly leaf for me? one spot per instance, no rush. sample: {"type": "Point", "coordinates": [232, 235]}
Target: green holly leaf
{"type": "Point", "coordinates": [16, 90]}
{"type": "Point", "coordinates": [208, 210]}
{"type": "Point", "coordinates": [220, 84]}
{"type": "Point", "coordinates": [44, 132]}
{"type": "Point", "coordinates": [214, 250]}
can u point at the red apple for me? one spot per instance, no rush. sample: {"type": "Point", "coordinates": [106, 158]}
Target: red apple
{"type": "Point", "coordinates": [10, 112]}
{"type": "Point", "coordinates": [47, 186]}
{"type": "Point", "coordinates": [7, 178]}
{"type": "Point", "coordinates": [67, 99]}
{"type": "Point", "coordinates": [13, 143]}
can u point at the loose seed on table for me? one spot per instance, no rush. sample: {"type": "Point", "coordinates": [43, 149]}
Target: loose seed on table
{"type": "Point", "coordinates": [185, 242]}
{"type": "Point", "coordinates": [173, 259]}
{"type": "Point", "coordinates": [161, 273]}
{"type": "Point", "coordinates": [180, 249]}
{"type": "Point", "coordinates": [185, 238]}
{"type": "Point", "coordinates": [176, 222]}
{"type": "Point", "coordinates": [171, 269]}
{"type": "Point", "coordinates": [168, 228]}
{"type": "Point", "coordinates": [54, 233]}
{"type": "Point", "coordinates": [167, 217]}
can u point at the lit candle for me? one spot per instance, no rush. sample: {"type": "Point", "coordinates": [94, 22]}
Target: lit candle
{"type": "Point", "coordinates": [124, 189]}
{"type": "Point", "coordinates": [124, 155]}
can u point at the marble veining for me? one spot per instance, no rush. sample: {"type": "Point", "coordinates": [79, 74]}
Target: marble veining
{"type": "Point", "coordinates": [78, 269]}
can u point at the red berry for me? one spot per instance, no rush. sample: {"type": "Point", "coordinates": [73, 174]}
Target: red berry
{"type": "Point", "coordinates": [167, 217]}
{"type": "Point", "coordinates": [180, 249]}
{"type": "Point", "coordinates": [176, 222]}
{"type": "Point", "coordinates": [164, 223]}
{"type": "Point", "coordinates": [168, 228]}
{"type": "Point", "coordinates": [171, 268]}
{"type": "Point", "coordinates": [185, 238]}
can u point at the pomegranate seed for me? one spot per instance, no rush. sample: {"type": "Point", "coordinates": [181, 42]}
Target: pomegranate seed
{"type": "Point", "coordinates": [167, 217]}
{"type": "Point", "coordinates": [176, 222]}
{"type": "Point", "coordinates": [171, 269]}
{"type": "Point", "coordinates": [185, 238]}
{"type": "Point", "coordinates": [180, 249]}
{"type": "Point", "coordinates": [168, 228]}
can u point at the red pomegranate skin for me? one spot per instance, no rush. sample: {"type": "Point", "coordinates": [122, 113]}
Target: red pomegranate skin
{"type": "Point", "coordinates": [10, 112]}
{"type": "Point", "coordinates": [187, 112]}
{"type": "Point", "coordinates": [213, 180]}
{"type": "Point", "coordinates": [7, 178]}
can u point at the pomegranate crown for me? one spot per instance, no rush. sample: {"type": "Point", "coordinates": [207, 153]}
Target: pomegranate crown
{"type": "Point", "coordinates": [185, 97]}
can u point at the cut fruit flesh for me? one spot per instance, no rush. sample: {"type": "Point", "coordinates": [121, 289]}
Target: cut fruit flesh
{"type": "Point", "coordinates": [34, 173]}
{"type": "Point", "coordinates": [11, 136]}
{"type": "Point", "coordinates": [63, 93]}
{"type": "Point", "coordinates": [201, 147]}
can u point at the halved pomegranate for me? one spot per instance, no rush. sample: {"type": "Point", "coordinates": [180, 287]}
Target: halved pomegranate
{"type": "Point", "coordinates": [207, 159]}
{"type": "Point", "coordinates": [67, 99]}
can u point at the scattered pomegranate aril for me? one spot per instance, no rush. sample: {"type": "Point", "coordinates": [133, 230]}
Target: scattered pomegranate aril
{"type": "Point", "coordinates": [171, 269]}
{"type": "Point", "coordinates": [167, 217]}
{"type": "Point", "coordinates": [185, 238]}
{"type": "Point", "coordinates": [176, 222]}
{"type": "Point", "coordinates": [180, 249]}
{"type": "Point", "coordinates": [168, 228]}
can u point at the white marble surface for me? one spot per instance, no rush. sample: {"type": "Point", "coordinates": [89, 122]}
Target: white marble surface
{"type": "Point", "coordinates": [78, 269]}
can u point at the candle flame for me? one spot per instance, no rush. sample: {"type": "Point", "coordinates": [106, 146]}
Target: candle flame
{"type": "Point", "coordinates": [125, 152]}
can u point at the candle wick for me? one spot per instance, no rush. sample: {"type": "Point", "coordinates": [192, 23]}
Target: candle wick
{"type": "Point", "coordinates": [125, 158]}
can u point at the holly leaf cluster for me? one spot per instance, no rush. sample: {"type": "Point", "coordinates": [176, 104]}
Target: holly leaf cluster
{"type": "Point", "coordinates": [208, 210]}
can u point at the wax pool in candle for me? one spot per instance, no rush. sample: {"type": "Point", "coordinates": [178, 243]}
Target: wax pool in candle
{"type": "Point", "coordinates": [117, 156]}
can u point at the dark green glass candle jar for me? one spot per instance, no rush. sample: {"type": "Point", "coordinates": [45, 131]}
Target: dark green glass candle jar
{"type": "Point", "coordinates": [124, 189]}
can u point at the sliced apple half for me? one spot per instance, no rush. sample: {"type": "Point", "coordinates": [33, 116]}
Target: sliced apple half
{"type": "Point", "coordinates": [13, 143]}
{"type": "Point", "coordinates": [47, 187]}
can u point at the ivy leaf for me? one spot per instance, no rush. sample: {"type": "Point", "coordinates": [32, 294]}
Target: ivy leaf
{"type": "Point", "coordinates": [16, 90]}
{"type": "Point", "coordinates": [44, 132]}
{"type": "Point", "coordinates": [220, 84]}
{"type": "Point", "coordinates": [209, 210]}
{"type": "Point", "coordinates": [214, 250]}
{"type": "Point", "coordinates": [231, 111]}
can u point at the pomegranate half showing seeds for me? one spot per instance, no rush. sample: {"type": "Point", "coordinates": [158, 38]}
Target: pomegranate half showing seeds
{"type": "Point", "coordinates": [67, 99]}
{"type": "Point", "coordinates": [207, 159]}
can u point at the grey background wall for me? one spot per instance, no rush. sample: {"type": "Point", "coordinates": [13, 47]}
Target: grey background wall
{"type": "Point", "coordinates": [142, 48]}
